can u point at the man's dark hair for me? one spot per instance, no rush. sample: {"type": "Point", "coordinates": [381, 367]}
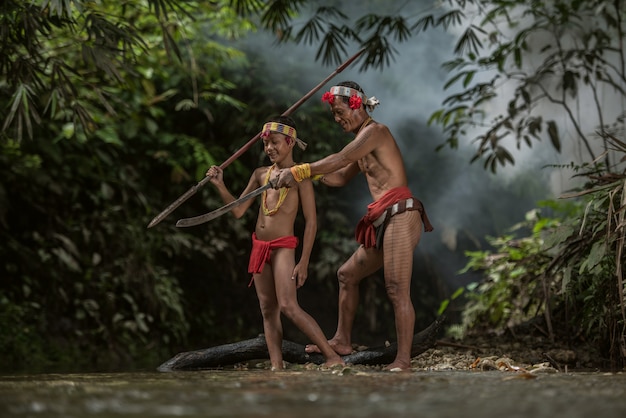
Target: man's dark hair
{"type": "Point", "coordinates": [352, 85]}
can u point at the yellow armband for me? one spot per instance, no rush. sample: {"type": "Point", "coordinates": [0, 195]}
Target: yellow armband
{"type": "Point", "coordinates": [301, 172]}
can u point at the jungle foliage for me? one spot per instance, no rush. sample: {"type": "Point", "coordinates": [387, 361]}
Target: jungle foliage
{"type": "Point", "coordinates": [556, 58]}
{"type": "Point", "coordinates": [111, 113]}
{"type": "Point", "coordinates": [535, 53]}
{"type": "Point", "coordinates": [560, 270]}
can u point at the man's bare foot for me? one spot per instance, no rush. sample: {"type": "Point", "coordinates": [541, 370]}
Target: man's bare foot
{"type": "Point", "coordinates": [341, 349]}
{"type": "Point", "coordinates": [398, 366]}
{"type": "Point", "coordinates": [334, 363]}
{"type": "Point", "coordinates": [278, 366]}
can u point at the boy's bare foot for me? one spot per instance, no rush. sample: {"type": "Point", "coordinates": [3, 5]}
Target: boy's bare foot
{"type": "Point", "coordinates": [341, 349]}
{"type": "Point", "coordinates": [398, 366]}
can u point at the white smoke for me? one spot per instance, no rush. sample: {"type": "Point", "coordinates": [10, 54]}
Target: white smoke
{"type": "Point", "coordinates": [588, 111]}
{"type": "Point", "coordinates": [458, 196]}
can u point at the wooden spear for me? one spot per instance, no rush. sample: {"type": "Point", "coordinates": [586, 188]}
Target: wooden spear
{"type": "Point", "coordinates": [246, 146]}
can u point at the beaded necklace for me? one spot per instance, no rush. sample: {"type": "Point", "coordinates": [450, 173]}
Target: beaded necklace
{"type": "Point", "coordinates": [364, 124]}
{"type": "Point", "coordinates": [281, 197]}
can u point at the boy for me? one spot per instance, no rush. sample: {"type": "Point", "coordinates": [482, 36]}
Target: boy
{"type": "Point", "coordinates": [275, 274]}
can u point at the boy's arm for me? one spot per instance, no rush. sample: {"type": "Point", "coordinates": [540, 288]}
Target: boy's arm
{"type": "Point", "coordinates": [253, 184]}
{"type": "Point", "coordinates": [217, 179]}
{"type": "Point", "coordinates": [307, 201]}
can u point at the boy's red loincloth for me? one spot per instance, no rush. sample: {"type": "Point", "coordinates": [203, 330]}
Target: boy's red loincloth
{"type": "Point", "coordinates": [262, 250]}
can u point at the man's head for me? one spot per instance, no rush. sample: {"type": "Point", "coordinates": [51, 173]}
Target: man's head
{"type": "Point", "coordinates": [348, 92]}
{"type": "Point", "coordinates": [349, 105]}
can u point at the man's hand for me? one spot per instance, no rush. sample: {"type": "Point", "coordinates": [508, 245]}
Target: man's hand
{"type": "Point", "coordinates": [284, 178]}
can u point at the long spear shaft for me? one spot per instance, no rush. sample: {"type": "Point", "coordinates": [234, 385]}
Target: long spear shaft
{"type": "Point", "coordinates": [247, 145]}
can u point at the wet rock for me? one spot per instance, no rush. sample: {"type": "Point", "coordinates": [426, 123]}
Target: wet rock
{"type": "Point", "coordinates": [542, 368]}
{"type": "Point", "coordinates": [563, 356]}
{"type": "Point", "coordinates": [487, 364]}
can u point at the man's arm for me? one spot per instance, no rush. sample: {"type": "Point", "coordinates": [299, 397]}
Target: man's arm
{"type": "Point", "coordinates": [341, 177]}
{"type": "Point", "coordinates": [364, 143]}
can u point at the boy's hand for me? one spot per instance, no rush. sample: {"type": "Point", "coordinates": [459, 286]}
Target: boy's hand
{"type": "Point", "coordinates": [300, 274]}
{"type": "Point", "coordinates": [216, 175]}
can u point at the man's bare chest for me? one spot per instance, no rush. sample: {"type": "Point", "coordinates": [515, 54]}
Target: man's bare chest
{"type": "Point", "coordinates": [369, 164]}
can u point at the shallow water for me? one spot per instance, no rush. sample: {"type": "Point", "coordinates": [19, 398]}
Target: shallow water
{"type": "Point", "coordinates": [313, 393]}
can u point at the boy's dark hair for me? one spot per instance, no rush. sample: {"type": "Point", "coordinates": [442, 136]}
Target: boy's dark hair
{"type": "Point", "coordinates": [285, 120]}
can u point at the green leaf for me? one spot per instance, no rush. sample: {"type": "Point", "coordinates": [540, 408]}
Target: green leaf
{"type": "Point", "coordinates": [559, 236]}
{"type": "Point", "coordinates": [598, 250]}
{"type": "Point", "coordinates": [109, 135]}
{"type": "Point", "coordinates": [457, 293]}
{"type": "Point", "coordinates": [517, 57]}
{"type": "Point", "coordinates": [567, 277]}
{"type": "Point", "coordinates": [553, 133]}
{"type": "Point", "coordinates": [468, 78]}
{"type": "Point", "coordinates": [68, 130]}
{"type": "Point", "coordinates": [442, 307]}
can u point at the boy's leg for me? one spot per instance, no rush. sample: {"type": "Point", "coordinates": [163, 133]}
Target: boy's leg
{"type": "Point", "coordinates": [272, 327]}
{"type": "Point", "coordinates": [286, 292]}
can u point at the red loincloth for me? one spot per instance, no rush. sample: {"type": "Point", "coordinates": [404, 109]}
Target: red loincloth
{"type": "Point", "coordinates": [262, 250]}
{"type": "Point", "coordinates": [366, 232]}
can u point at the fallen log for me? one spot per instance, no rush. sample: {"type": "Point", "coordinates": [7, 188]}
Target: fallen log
{"type": "Point", "coordinates": [256, 348]}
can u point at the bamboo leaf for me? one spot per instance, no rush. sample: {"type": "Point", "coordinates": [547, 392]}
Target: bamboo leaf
{"type": "Point", "coordinates": [598, 250]}
{"type": "Point", "coordinates": [454, 79]}
{"type": "Point", "coordinates": [553, 133]}
{"type": "Point", "coordinates": [468, 78]}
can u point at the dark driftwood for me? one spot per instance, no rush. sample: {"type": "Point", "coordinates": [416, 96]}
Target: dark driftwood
{"type": "Point", "coordinates": [256, 348]}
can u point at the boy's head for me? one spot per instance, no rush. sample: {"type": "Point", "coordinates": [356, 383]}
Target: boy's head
{"type": "Point", "coordinates": [282, 125]}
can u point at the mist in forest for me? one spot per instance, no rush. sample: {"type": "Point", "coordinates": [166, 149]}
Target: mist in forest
{"type": "Point", "coordinates": [464, 202]}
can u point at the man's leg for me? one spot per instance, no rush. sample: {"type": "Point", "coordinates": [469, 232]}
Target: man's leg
{"type": "Point", "coordinates": [401, 237]}
{"type": "Point", "coordinates": [361, 264]}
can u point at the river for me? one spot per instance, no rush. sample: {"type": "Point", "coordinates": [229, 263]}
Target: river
{"type": "Point", "coordinates": [314, 393]}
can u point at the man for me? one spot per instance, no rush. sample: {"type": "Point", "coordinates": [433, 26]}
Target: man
{"type": "Point", "coordinates": [390, 230]}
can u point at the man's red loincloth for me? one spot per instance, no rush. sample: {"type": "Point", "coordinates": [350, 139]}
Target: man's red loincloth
{"type": "Point", "coordinates": [366, 231]}
{"type": "Point", "coordinates": [262, 250]}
